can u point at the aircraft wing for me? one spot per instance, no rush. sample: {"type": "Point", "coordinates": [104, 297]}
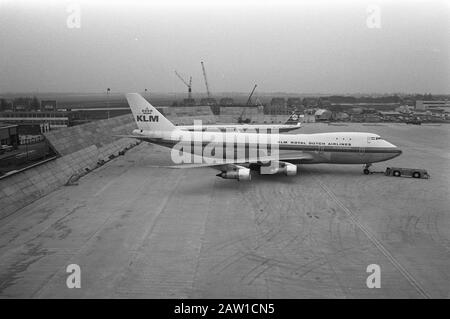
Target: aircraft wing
{"type": "Point", "coordinates": [289, 128]}
{"type": "Point", "coordinates": [286, 157]}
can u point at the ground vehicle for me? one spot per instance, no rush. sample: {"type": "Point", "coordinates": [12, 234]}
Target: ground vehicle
{"type": "Point", "coordinates": [409, 172]}
{"type": "Point", "coordinates": [414, 121]}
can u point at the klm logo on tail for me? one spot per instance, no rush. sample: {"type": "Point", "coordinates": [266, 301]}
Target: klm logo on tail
{"type": "Point", "coordinates": [147, 116]}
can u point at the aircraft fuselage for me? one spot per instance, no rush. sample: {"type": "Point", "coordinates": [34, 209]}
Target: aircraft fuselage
{"type": "Point", "coordinates": [337, 148]}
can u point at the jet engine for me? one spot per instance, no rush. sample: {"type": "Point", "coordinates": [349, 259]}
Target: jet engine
{"type": "Point", "coordinates": [241, 174]}
{"type": "Point", "coordinates": [287, 169]}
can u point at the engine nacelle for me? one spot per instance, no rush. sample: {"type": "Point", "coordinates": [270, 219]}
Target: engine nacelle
{"type": "Point", "coordinates": [241, 174]}
{"type": "Point", "coordinates": [285, 168]}
{"type": "Point", "coordinates": [290, 169]}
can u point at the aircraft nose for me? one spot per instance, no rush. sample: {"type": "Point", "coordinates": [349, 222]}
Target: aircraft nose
{"type": "Point", "coordinates": [397, 152]}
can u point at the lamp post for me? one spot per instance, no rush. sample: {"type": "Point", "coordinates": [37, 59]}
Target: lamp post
{"type": "Point", "coordinates": [108, 90]}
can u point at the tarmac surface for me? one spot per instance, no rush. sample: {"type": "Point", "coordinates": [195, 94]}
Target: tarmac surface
{"type": "Point", "coordinates": [138, 230]}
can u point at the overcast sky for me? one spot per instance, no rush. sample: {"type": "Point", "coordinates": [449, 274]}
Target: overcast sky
{"type": "Point", "coordinates": [287, 46]}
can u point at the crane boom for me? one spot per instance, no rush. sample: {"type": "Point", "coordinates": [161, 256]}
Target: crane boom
{"type": "Point", "coordinates": [189, 85]}
{"type": "Point", "coordinates": [251, 94]}
{"type": "Point", "coordinates": [179, 76]}
{"type": "Point", "coordinates": [249, 100]}
{"type": "Point", "coordinates": [206, 80]}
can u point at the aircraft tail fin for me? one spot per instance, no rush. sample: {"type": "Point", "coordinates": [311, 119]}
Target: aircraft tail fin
{"type": "Point", "coordinates": [147, 117]}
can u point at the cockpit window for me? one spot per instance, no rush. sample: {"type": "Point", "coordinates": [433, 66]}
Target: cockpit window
{"type": "Point", "coordinates": [375, 138]}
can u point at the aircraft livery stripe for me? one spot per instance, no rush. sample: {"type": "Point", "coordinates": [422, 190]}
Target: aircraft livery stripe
{"type": "Point", "coordinates": [310, 148]}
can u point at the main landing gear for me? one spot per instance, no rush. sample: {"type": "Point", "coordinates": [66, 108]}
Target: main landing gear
{"type": "Point", "coordinates": [366, 170]}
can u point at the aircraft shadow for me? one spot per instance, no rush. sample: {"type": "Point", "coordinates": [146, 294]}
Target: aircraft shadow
{"type": "Point", "coordinates": [278, 179]}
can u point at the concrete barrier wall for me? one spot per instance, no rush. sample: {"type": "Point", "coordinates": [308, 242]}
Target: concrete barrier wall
{"type": "Point", "coordinates": [23, 188]}
{"type": "Point", "coordinates": [99, 133]}
{"type": "Point", "coordinates": [82, 148]}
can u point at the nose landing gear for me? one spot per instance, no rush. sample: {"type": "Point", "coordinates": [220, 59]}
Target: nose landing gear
{"type": "Point", "coordinates": [366, 170]}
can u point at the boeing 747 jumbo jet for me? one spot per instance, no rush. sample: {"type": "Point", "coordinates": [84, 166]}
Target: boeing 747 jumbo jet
{"type": "Point", "coordinates": [292, 123]}
{"type": "Point", "coordinates": [235, 154]}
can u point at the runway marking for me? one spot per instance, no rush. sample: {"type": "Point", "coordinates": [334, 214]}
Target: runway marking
{"type": "Point", "coordinates": [161, 208]}
{"type": "Point", "coordinates": [201, 248]}
{"type": "Point", "coordinates": [104, 187]}
{"type": "Point", "coordinates": [353, 218]}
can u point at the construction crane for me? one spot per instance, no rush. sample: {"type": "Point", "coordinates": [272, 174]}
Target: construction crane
{"type": "Point", "coordinates": [249, 100]}
{"type": "Point", "coordinates": [206, 80]}
{"type": "Point", "coordinates": [240, 119]}
{"type": "Point", "coordinates": [250, 96]}
{"type": "Point", "coordinates": [189, 85]}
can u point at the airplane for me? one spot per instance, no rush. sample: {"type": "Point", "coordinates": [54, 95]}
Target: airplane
{"type": "Point", "coordinates": [292, 123]}
{"type": "Point", "coordinates": [275, 153]}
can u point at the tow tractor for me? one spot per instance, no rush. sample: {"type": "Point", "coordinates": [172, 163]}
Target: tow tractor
{"type": "Point", "coordinates": [407, 172]}
{"type": "Point", "coordinates": [400, 172]}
